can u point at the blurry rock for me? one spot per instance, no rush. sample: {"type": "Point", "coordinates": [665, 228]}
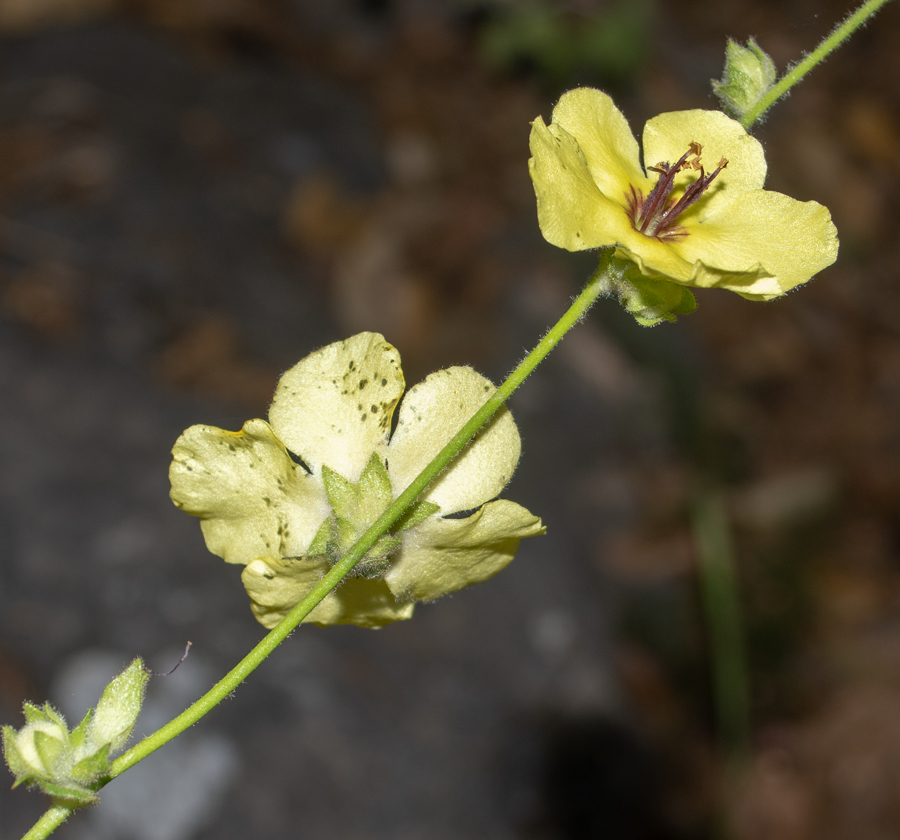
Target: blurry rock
{"type": "Point", "coordinates": [411, 159]}
{"type": "Point", "coordinates": [647, 558]}
{"type": "Point", "coordinates": [852, 752]}
{"type": "Point", "coordinates": [552, 633]}
{"type": "Point", "coordinates": [650, 692]}
{"type": "Point", "coordinates": [773, 801]}
{"type": "Point", "coordinates": [17, 685]}
{"type": "Point", "coordinates": [207, 358]}
{"type": "Point", "coordinates": [787, 499]}
{"type": "Point", "coordinates": [213, 16]}
{"type": "Point", "coordinates": [85, 169]}
{"type": "Point", "coordinates": [45, 298]}
{"type": "Point", "coordinates": [320, 218]}
{"type": "Point", "coordinates": [22, 16]}
{"type": "Point", "coordinates": [375, 290]}
{"type": "Point", "coordinates": [873, 131]}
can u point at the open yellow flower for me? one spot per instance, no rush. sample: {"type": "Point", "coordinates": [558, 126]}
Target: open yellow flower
{"type": "Point", "coordinates": [695, 214]}
{"type": "Point", "coordinates": [288, 522]}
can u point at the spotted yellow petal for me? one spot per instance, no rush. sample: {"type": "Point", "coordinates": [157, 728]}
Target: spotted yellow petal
{"type": "Point", "coordinates": [572, 211]}
{"type": "Point", "coordinates": [277, 586]}
{"type": "Point", "coordinates": [445, 555]}
{"type": "Point", "coordinates": [668, 136]}
{"type": "Point", "coordinates": [430, 414]}
{"type": "Point", "coordinates": [253, 500]}
{"type": "Point", "coordinates": [335, 406]}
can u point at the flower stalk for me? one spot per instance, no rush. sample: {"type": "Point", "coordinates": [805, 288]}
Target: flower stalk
{"type": "Point", "coordinates": [596, 286]}
{"type": "Point", "coordinates": [801, 68]}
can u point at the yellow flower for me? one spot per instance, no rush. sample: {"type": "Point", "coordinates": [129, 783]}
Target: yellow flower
{"type": "Point", "coordinates": [288, 522]}
{"type": "Point", "coordinates": [695, 214]}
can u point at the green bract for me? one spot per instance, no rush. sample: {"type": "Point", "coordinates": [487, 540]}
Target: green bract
{"type": "Point", "coordinates": [64, 764]}
{"type": "Point", "coordinates": [694, 214]}
{"type": "Point", "coordinates": [288, 524]}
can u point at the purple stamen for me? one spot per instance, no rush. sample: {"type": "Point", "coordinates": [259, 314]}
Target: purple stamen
{"type": "Point", "coordinates": [655, 216]}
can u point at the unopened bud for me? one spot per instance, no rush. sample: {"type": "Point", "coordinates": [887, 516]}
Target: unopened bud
{"type": "Point", "coordinates": [67, 765]}
{"type": "Point", "coordinates": [118, 709]}
{"type": "Point", "coordinates": [749, 73]}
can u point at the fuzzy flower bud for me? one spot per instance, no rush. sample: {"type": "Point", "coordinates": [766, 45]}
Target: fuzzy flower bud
{"type": "Point", "coordinates": [748, 75]}
{"type": "Point", "coordinates": [118, 709]}
{"type": "Point", "coordinates": [68, 764]}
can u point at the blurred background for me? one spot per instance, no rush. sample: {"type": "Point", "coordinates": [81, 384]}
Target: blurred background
{"type": "Point", "coordinates": [194, 194]}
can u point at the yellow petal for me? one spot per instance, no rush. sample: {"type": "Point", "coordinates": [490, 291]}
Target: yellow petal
{"type": "Point", "coordinates": [276, 586]}
{"type": "Point", "coordinates": [253, 499]}
{"type": "Point", "coordinates": [605, 138]}
{"type": "Point", "coordinates": [335, 406]}
{"type": "Point", "coordinates": [430, 414]}
{"type": "Point", "coordinates": [572, 211]}
{"type": "Point", "coordinates": [667, 137]}
{"type": "Point", "coordinates": [760, 244]}
{"type": "Point", "coordinates": [441, 556]}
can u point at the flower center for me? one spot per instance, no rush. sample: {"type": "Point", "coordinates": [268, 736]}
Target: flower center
{"type": "Point", "coordinates": [657, 214]}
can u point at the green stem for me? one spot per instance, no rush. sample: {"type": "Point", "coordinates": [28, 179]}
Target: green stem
{"type": "Point", "coordinates": [799, 70]}
{"type": "Point", "coordinates": [597, 285]}
{"type": "Point", "coordinates": [51, 819]}
{"type": "Point", "coordinates": [721, 604]}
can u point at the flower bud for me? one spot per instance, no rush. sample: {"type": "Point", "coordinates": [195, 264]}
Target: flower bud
{"type": "Point", "coordinates": [748, 75]}
{"type": "Point", "coordinates": [118, 708]}
{"type": "Point", "coordinates": [67, 765]}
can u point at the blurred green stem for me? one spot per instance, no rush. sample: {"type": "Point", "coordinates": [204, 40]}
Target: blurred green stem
{"type": "Point", "coordinates": [598, 284]}
{"type": "Point", "coordinates": [724, 622]}
{"type": "Point", "coordinates": [801, 68]}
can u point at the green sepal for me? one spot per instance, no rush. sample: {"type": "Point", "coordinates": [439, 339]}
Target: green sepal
{"type": "Point", "coordinates": [651, 301]}
{"type": "Point", "coordinates": [35, 714]}
{"type": "Point", "coordinates": [384, 547]}
{"type": "Point", "coordinates": [374, 490]}
{"type": "Point", "coordinates": [319, 546]}
{"type": "Point", "coordinates": [49, 750]}
{"type": "Point", "coordinates": [341, 493]}
{"type": "Point", "coordinates": [17, 765]}
{"type": "Point", "coordinates": [55, 717]}
{"type": "Point", "coordinates": [72, 797]}
{"type": "Point", "coordinates": [78, 735]}
{"type": "Point", "coordinates": [414, 514]}
{"type": "Point", "coordinates": [93, 767]}
{"type": "Point", "coordinates": [748, 75]}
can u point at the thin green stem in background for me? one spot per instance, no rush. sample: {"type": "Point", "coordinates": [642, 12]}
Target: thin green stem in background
{"type": "Point", "coordinates": [597, 285]}
{"type": "Point", "coordinates": [799, 70]}
{"type": "Point", "coordinates": [722, 610]}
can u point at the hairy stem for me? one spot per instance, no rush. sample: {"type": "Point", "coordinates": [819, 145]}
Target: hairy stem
{"type": "Point", "coordinates": [799, 70]}
{"type": "Point", "coordinates": [597, 285]}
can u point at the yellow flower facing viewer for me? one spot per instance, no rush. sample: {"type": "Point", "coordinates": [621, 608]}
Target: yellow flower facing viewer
{"type": "Point", "coordinates": [695, 214]}
{"type": "Point", "coordinates": [287, 524]}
